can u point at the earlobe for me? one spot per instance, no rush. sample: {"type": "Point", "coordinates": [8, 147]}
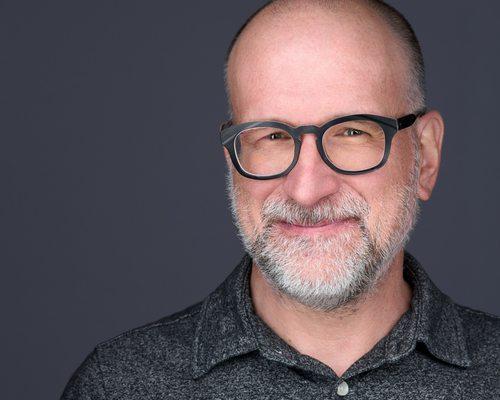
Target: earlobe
{"type": "Point", "coordinates": [430, 134]}
{"type": "Point", "coordinates": [227, 156]}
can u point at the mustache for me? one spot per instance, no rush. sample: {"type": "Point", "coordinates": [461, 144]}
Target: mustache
{"type": "Point", "coordinates": [341, 206]}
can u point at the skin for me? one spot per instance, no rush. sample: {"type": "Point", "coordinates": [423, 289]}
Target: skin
{"type": "Point", "coordinates": [306, 68]}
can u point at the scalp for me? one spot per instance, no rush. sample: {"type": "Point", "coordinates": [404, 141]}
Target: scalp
{"type": "Point", "coordinates": [371, 25]}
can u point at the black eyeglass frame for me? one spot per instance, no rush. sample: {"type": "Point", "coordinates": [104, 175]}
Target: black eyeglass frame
{"type": "Point", "coordinates": [390, 126]}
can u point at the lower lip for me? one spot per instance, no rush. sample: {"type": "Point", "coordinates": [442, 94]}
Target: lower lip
{"type": "Point", "coordinates": [321, 228]}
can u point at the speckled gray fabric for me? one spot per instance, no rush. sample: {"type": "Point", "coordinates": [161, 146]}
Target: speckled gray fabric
{"type": "Point", "coordinates": [219, 349]}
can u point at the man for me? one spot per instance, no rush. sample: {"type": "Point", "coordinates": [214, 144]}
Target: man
{"type": "Point", "coordinates": [329, 151]}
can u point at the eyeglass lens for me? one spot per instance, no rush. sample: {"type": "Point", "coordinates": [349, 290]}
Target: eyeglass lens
{"type": "Point", "coordinates": [351, 146]}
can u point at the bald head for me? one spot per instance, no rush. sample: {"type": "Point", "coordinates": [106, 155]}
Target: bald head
{"type": "Point", "coordinates": [295, 40]}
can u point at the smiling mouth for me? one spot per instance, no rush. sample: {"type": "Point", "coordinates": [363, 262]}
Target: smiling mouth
{"type": "Point", "coordinates": [320, 227]}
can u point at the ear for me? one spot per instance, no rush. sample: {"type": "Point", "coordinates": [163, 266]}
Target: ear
{"type": "Point", "coordinates": [227, 156]}
{"type": "Point", "coordinates": [430, 131]}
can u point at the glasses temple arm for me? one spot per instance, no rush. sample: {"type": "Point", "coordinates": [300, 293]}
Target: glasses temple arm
{"type": "Point", "coordinates": [225, 125]}
{"type": "Point", "coordinates": [408, 120]}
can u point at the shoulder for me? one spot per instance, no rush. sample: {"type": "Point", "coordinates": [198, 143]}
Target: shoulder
{"type": "Point", "coordinates": [481, 323]}
{"type": "Point", "coordinates": [168, 339]}
{"type": "Point", "coordinates": [133, 361]}
{"type": "Point", "coordinates": [482, 334]}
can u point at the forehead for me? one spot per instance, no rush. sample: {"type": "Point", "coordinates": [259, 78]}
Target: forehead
{"type": "Point", "coordinates": [308, 66]}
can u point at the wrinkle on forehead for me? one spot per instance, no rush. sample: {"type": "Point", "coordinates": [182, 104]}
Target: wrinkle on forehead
{"type": "Point", "coordinates": [340, 60]}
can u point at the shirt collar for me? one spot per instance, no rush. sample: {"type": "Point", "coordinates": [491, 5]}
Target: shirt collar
{"type": "Point", "coordinates": [224, 329]}
{"type": "Point", "coordinates": [434, 317]}
{"type": "Point", "coordinates": [227, 326]}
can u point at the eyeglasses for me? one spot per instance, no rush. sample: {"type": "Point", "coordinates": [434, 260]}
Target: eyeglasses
{"type": "Point", "coordinates": [352, 145]}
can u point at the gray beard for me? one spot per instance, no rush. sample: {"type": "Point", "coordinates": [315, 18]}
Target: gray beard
{"type": "Point", "coordinates": [348, 265]}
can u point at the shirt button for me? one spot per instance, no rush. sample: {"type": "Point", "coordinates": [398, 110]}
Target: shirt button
{"type": "Point", "coordinates": [342, 388]}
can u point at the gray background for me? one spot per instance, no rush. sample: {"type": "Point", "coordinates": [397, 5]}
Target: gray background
{"type": "Point", "coordinates": [113, 208]}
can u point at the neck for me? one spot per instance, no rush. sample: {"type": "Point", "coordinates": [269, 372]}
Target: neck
{"type": "Point", "coordinates": [340, 337]}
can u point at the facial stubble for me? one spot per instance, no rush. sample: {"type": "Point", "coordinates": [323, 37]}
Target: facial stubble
{"type": "Point", "coordinates": [326, 272]}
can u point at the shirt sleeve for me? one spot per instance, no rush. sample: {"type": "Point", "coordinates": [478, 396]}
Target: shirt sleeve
{"type": "Point", "coordinates": [86, 382]}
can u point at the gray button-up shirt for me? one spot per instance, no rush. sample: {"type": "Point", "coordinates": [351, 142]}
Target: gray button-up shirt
{"type": "Point", "coordinates": [220, 349]}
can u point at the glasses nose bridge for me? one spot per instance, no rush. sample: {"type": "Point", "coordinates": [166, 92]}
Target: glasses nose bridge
{"type": "Point", "coordinates": [299, 131]}
{"type": "Point", "coordinates": [308, 129]}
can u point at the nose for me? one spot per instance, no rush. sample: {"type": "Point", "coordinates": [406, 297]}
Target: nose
{"type": "Point", "coordinates": [311, 179]}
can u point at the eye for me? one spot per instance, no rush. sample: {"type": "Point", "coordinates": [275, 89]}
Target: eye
{"type": "Point", "coordinates": [277, 135]}
{"type": "Point", "coordinates": [353, 132]}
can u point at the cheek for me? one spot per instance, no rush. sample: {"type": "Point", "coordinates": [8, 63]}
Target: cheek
{"type": "Point", "coordinates": [253, 194]}
{"type": "Point", "coordinates": [401, 157]}
{"type": "Point", "coordinates": [381, 188]}
{"type": "Point", "coordinates": [373, 188]}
